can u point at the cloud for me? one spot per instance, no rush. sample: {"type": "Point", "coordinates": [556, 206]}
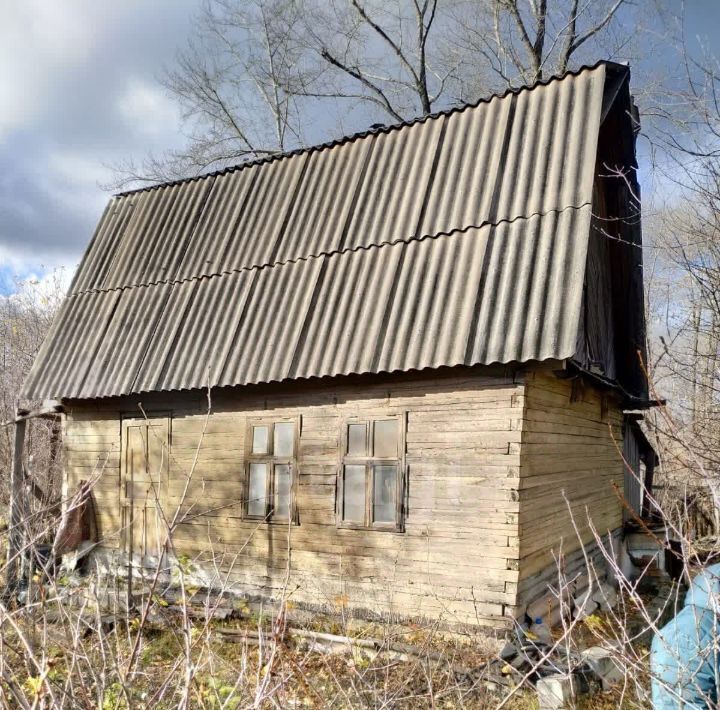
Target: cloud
{"type": "Point", "coordinates": [47, 206]}
{"type": "Point", "coordinates": [147, 106]}
{"type": "Point", "coordinates": [49, 284]}
{"type": "Point", "coordinates": [79, 91]}
{"type": "Point", "coordinates": [38, 41]}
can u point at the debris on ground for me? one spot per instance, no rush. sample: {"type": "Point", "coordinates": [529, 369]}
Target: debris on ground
{"type": "Point", "coordinates": [603, 663]}
{"type": "Point", "coordinates": [555, 692]}
{"type": "Point", "coordinates": [536, 660]}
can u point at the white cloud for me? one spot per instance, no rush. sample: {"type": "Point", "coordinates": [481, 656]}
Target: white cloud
{"type": "Point", "coordinates": [32, 265]}
{"type": "Point", "coordinates": [77, 93]}
{"type": "Point", "coordinates": [73, 180]}
{"type": "Point", "coordinates": [75, 166]}
{"type": "Point", "coordinates": [147, 109]}
{"type": "Point", "coordinates": [38, 40]}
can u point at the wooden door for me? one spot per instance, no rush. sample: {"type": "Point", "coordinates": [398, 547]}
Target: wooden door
{"type": "Point", "coordinates": [145, 453]}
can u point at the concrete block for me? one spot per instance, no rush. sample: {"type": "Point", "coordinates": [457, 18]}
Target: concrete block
{"type": "Point", "coordinates": [508, 651]}
{"type": "Point", "coordinates": [584, 604]}
{"type": "Point", "coordinates": [605, 596]}
{"type": "Point", "coordinates": [603, 664]}
{"type": "Point", "coordinates": [555, 692]}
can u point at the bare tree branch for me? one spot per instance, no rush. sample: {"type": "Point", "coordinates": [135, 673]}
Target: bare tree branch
{"type": "Point", "coordinates": [379, 96]}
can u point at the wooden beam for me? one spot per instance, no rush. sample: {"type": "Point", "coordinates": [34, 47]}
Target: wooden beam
{"type": "Point", "coordinates": [49, 408]}
{"type": "Point", "coordinates": [34, 487]}
{"type": "Point", "coordinates": [15, 532]}
{"type": "Point", "coordinates": [649, 480]}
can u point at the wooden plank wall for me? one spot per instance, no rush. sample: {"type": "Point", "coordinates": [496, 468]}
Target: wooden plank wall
{"type": "Point", "coordinates": [566, 446]}
{"type": "Point", "coordinates": [458, 558]}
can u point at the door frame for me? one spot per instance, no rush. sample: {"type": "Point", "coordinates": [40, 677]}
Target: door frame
{"type": "Point", "coordinates": [128, 508]}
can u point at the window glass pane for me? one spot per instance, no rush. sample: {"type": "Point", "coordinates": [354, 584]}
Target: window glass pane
{"type": "Point", "coordinates": [257, 489]}
{"type": "Point", "coordinates": [384, 494]}
{"type": "Point", "coordinates": [284, 439]}
{"type": "Point", "coordinates": [357, 439]}
{"type": "Point", "coordinates": [282, 491]}
{"type": "Point", "coordinates": [385, 438]}
{"type": "Point", "coordinates": [260, 440]}
{"type": "Point", "coordinates": [354, 494]}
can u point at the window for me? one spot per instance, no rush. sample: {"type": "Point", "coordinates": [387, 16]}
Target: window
{"type": "Point", "coordinates": [270, 474]}
{"type": "Point", "coordinates": [370, 482]}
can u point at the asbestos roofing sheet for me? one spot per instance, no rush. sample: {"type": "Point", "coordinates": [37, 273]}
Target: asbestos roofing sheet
{"type": "Point", "coordinates": [325, 202]}
{"type": "Point", "coordinates": [530, 289]}
{"type": "Point", "coordinates": [125, 340]}
{"type": "Point", "coordinates": [211, 241]}
{"type": "Point", "coordinates": [199, 333]}
{"type": "Point", "coordinates": [458, 239]}
{"type": "Point", "coordinates": [155, 236]}
{"type": "Point", "coordinates": [268, 331]}
{"type": "Point", "coordinates": [389, 201]}
{"type": "Point", "coordinates": [100, 253]}
{"type": "Point", "coordinates": [512, 156]}
{"type": "Point", "coordinates": [71, 344]}
{"type": "Point", "coordinates": [494, 294]}
{"type": "Point", "coordinates": [516, 156]}
{"type": "Point", "coordinates": [359, 321]}
{"type": "Point", "coordinates": [263, 218]}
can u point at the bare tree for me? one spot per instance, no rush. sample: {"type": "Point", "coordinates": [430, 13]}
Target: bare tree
{"type": "Point", "coordinates": [684, 345]}
{"type": "Point", "coordinates": [381, 54]}
{"type": "Point", "coordinates": [233, 84]}
{"type": "Point", "coordinates": [25, 317]}
{"type": "Point", "coordinates": [522, 41]}
{"type": "Point", "coordinates": [265, 76]}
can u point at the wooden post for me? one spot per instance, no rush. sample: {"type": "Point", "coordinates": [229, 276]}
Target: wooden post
{"type": "Point", "coordinates": [15, 533]}
{"type": "Point", "coordinates": [650, 461]}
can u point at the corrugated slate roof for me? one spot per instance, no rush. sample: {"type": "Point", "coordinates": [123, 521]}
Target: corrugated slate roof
{"type": "Point", "coordinates": [457, 239]}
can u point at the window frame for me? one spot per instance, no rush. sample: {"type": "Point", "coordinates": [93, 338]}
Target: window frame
{"type": "Point", "coordinates": [271, 461]}
{"type": "Point", "coordinates": [369, 461]}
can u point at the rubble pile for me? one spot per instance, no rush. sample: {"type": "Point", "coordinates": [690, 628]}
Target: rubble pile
{"type": "Point", "coordinates": [557, 671]}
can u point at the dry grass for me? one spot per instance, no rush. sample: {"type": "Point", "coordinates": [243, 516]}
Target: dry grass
{"type": "Point", "coordinates": [62, 652]}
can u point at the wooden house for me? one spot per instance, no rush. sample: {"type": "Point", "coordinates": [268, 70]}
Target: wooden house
{"type": "Point", "coordinates": [390, 370]}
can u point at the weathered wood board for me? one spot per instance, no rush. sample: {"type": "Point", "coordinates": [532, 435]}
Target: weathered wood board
{"type": "Point", "coordinates": [487, 451]}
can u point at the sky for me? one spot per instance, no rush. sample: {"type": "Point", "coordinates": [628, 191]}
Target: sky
{"type": "Point", "coordinates": [79, 91]}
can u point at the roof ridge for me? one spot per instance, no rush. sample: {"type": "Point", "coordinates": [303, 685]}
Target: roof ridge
{"type": "Point", "coordinates": [335, 252]}
{"type": "Point", "coordinates": [327, 145]}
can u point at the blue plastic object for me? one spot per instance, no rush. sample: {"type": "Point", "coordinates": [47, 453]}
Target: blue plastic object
{"type": "Point", "coordinates": [685, 653]}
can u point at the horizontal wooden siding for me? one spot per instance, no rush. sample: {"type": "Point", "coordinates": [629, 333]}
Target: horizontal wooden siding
{"type": "Point", "coordinates": [458, 557]}
{"type": "Point", "coordinates": [571, 473]}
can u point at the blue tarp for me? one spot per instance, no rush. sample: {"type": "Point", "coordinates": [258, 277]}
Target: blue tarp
{"type": "Point", "coordinates": [685, 652]}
